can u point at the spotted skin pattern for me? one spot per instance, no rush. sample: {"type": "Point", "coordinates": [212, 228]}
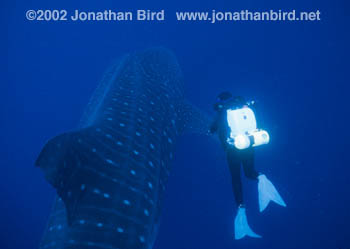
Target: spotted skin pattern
{"type": "Point", "coordinates": [110, 174]}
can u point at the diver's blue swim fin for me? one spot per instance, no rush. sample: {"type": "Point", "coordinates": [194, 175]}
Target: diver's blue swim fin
{"type": "Point", "coordinates": [241, 225]}
{"type": "Point", "coordinates": [267, 193]}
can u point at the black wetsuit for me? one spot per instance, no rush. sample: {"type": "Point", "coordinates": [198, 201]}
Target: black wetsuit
{"type": "Point", "coordinates": [235, 157]}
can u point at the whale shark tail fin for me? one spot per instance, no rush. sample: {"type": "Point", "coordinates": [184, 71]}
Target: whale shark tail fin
{"type": "Point", "coordinates": [242, 228]}
{"type": "Point", "coordinates": [267, 193]}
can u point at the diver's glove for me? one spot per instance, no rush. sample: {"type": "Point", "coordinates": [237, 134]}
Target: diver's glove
{"type": "Point", "coordinates": [230, 141]}
{"type": "Point", "coordinates": [241, 225]}
{"type": "Point", "coordinates": [267, 193]}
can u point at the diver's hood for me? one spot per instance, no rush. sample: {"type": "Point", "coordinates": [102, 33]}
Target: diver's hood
{"type": "Point", "coordinates": [225, 103]}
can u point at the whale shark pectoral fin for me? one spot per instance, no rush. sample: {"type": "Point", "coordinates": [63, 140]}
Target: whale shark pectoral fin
{"type": "Point", "coordinates": [60, 160]}
{"type": "Point", "coordinates": [51, 159]}
{"type": "Point", "coordinates": [267, 193]}
{"type": "Point", "coordinates": [194, 120]}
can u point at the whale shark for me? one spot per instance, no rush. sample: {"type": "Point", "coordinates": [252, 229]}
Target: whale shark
{"type": "Point", "coordinates": [110, 173]}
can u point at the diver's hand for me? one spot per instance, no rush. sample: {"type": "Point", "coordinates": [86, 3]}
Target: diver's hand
{"type": "Point", "coordinates": [230, 141]}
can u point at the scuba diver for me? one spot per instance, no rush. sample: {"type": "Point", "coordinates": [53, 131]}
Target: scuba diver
{"type": "Point", "coordinates": [236, 128]}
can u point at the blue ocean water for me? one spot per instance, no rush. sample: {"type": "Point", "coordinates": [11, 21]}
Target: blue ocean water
{"type": "Point", "coordinates": [297, 71]}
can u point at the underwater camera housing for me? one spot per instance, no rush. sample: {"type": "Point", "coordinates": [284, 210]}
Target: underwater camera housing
{"type": "Point", "coordinates": [244, 132]}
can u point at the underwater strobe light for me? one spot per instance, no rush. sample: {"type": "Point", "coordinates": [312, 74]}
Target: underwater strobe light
{"type": "Point", "coordinates": [260, 137]}
{"type": "Point", "coordinates": [241, 142]}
